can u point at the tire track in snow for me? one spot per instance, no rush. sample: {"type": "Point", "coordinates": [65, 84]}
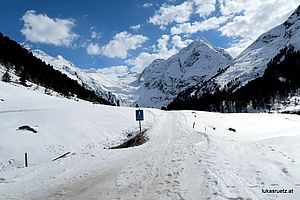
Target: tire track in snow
{"type": "Point", "coordinates": [21, 110]}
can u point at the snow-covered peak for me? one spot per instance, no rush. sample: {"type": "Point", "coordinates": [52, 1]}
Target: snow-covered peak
{"type": "Point", "coordinates": [200, 47]}
{"type": "Point", "coordinates": [162, 80]}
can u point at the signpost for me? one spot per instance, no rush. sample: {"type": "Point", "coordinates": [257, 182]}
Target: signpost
{"type": "Point", "coordinates": [139, 116]}
{"type": "Point", "coordinates": [26, 162]}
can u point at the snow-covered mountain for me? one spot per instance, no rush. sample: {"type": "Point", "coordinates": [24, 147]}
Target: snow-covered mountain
{"type": "Point", "coordinates": [253, 61]}
{"type": "Point", "coordinates": [158, 84]}
{"type": "Point", "coordinates": [162, 80]}
{"type": "Point", "coordinates": [112, 86]}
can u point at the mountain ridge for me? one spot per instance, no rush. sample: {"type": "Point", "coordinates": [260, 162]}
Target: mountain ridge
{"type": "Point", "coordinates": [162, 80]}
{"type": "Point", "coordinates": [130, 89]}
{"type": "Point", "coordinates": [255, 64]}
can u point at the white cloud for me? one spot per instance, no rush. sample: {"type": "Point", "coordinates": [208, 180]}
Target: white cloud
{"type": "Point", "coordinates": [94, 35]}
{"type": "Point", "coordinates": [142, 61]}
{"type": "Point", "coordinates": [119, 46]}
{"type": "Point", "coordinates": [113, 70]}
{"type": "Point", "coordinates": [249, 19]}
{"type": "Point", "coordinates": [147, 5]}
{"type": "Point", "coordinates": [230, 7]}
{"type": "Point", "coordinates": [122, 43]}
{"type": "Point", "coordinates": [205, 7]}
{"type": "Point", "coordinates": [136, 27]}
{"type": "Point", "coordinates": [162, 46]}
{"type": "Point", "coordinates": [255, 17]}
{"type": "Point", "coordinates": [94, 49]}
{"type": "Point", "coordinates": [165, 48]}
{"type": "Point", "coordinates": [170, 13]}
{"type": "Point", "coordinates": [236, 48]}
{"type": "Point", "coordinates": [198, 26]}
{"type": "Point", "coordinates": [178, 42]}
{"type": "Point", "coordinates": [43, 29]}
{"type": "Point", "coordinates": [241, 20]}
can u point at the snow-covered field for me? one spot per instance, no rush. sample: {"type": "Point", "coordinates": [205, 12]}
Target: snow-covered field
{"type": "Point", "coordinates": [178, 162]}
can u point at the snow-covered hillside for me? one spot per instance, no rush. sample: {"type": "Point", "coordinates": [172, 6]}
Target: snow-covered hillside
{"type": "Point", "coordinates": [93, 82]}
{"type": "Point", "coordinates": [178, 162]}
{"type": "Point", "coordinates": [162, 80]}
{"type": "Point", "coordinates": [252, 62]}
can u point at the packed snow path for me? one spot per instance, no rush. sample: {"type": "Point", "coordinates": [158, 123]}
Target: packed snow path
{"type": "Point", "coordinates": [178, 162]}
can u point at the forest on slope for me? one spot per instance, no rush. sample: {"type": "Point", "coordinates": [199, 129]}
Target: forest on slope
{"type": "Point", "coordinates": [19, 60]}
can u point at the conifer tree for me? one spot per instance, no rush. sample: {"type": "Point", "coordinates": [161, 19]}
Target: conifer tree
{"type": "Point", "coordinates": [6, 77]}
{"type": "Point", "coordinates": [23, 78]}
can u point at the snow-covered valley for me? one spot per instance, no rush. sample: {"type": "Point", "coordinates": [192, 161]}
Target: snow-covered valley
{"type": "Point", "coordinates": [178, 161]}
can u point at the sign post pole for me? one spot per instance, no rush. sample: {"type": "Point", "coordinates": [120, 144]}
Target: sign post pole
{"type": "Point", "coordinates": [140, 126]}
{"type": "Point", "coordinates": [139, 116]}
{"type": "Point", "coordinates": [26, 162]}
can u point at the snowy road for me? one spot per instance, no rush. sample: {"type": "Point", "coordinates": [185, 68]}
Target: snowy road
{"type": "Point", "coordinates": [167, 167]}
{"type": "Point", "coordinates": [178, 162]}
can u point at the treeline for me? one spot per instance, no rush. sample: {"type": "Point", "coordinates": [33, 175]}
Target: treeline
{"type": "Point", "coordinates": [281, 78]}
{"type": "Point", "coordinates": [29, 68]}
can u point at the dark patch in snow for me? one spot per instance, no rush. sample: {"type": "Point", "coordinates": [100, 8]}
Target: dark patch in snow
{"type": "Point", "coordinates": [137, 140]}
{"type": "Point", "coordinates": [284, 170]}
{"type": "Point", "coordinates": [27, 128]}
{"type": "Point", "coordinates": [232, 129]}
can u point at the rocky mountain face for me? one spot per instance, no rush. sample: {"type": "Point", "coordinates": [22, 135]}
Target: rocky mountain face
{"type": "Point", "coordinates": [253, 65]}
{"type": "Point", "coordinates": [163, 80]}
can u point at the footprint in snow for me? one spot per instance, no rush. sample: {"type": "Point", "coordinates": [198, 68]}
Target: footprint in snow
{"type": "Point", "coordinates": [284, 170]}
{"type": "Point", "coordinates": [287, 157]}
{"type": "Point", "coordinates": [271, 148]}
{"type": "Point", "coordinates": [2, 180]}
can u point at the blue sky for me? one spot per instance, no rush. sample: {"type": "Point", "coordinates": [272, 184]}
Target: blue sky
{"type": "Point", "coordinates": [129, 34]}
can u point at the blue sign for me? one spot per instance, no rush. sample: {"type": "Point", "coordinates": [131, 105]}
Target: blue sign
{"type": "Point", "coordinates": [139, 115]}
